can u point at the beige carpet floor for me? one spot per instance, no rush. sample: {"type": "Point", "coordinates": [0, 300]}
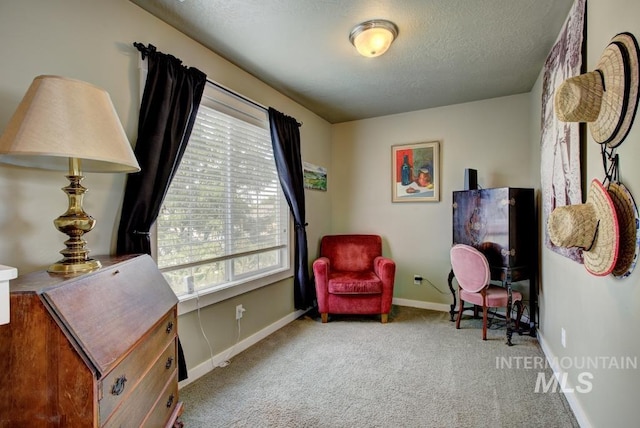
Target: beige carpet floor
{"type": "Point", "coordinates": [415, 371]}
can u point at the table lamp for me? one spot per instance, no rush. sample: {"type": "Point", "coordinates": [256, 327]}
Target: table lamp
{"type": "Point", "coordinates": [68, 125]}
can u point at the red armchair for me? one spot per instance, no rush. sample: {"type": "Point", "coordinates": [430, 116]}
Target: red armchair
{"type": "Point", "coordinates": [352, 276]}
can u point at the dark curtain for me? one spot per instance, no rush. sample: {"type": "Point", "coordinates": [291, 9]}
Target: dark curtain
{"type": "Point", "coordinates": [170, 101]}
{"type": "Point", "coordinates": [285, 137]}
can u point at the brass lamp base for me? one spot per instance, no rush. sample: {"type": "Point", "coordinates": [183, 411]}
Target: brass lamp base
{"type": "Point", "coordinates": [66, 268]}
{"type": "Point", "coordinates": [75, 223]}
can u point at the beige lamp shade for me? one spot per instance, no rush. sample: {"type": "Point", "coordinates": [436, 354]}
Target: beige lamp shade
{"type": "Point", "coordinates": [373, 38]}
{"type": "Point", "coordinates": [61, 118]}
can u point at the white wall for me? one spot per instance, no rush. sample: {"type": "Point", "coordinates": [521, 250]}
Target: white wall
{"type": "Point", "coordinates": [92, 40]}
{"type": "Point", "coordinates": [600, 315]}
{"type": "Point", "coordinates": [491, 136]}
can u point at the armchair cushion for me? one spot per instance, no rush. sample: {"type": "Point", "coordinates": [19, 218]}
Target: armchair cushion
{"type": "Point", "coordinates": [365, 282]}
{"type": "Point", "coordinates": [495, 297]}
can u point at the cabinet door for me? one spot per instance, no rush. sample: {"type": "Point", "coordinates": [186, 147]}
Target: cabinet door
{"type": "Point", "coordinates": [499, 222]}
{"type": "Point", "coordinates": [481, 219]}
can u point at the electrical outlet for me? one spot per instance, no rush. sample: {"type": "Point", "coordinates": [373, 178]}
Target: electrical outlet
{"type": "Point", "coordinates": [239, 311]}
{"type": "Point", "coordinates": [563, 337]}
{"type": "Point", "coordinates": [417, 279]}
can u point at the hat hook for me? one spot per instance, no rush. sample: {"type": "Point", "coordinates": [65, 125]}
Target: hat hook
{"type": "Point", "coordinates": [610, 163]}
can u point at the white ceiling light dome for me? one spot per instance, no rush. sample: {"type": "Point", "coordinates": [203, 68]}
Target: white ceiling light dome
{"type": "Point", "coordinates": [373, 38]}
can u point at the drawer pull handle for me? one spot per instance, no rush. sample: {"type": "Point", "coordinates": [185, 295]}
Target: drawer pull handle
{"type": "Point", "coordinates": [118, 385]}
{"type": "Point", "coordinates": [170, 401]}
{"type": "Point", "coordinates": [169, 327]}
{"type": "Point", "coordinates": [169, 363]}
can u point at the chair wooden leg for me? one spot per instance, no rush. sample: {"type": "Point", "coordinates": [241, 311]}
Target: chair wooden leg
{"type": "Point", "coordinates": [520, 308]}
{"type": "Point", "coordinates": [325, 317]}
{"type": "Point", "coordinates": [459, 313]}
{"type": "Point", "coordinates": [484, 323]}
{"type": "Point", "coordinates": [384, 318]}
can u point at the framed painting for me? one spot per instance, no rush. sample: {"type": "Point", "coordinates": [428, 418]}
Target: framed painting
{"type": "Point", "coordinates": [415, 175]}
{"type": "Point", "coordinates": [315, 177]}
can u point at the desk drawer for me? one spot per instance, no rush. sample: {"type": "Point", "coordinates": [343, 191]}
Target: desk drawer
{"type": "Point", "coordinates": [118, 385]}
{"type": "Point", "coordinates": [165, 405]}
{"type": "Point", "coordinates": [138, 404]}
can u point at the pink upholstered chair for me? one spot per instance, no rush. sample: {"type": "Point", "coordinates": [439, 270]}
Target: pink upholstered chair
{"type": "Point", "coordinates": [352, 276]}
{"type": "Point", "coordinates": [471, 270]}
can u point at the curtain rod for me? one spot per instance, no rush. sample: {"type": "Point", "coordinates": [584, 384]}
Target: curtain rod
{"type": "Point", "coordinates": [237, 95]}
{"type": "Point", "coordinates": [144, 50]}
{"type": "Point", "coordinates": [241, 97]}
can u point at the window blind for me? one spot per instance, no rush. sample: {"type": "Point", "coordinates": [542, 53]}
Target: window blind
{"type": "Point", "coordinates": [224, 216]}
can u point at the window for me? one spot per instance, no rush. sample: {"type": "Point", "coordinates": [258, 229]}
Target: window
{"type": "Point", "coordinates": [224, 220]}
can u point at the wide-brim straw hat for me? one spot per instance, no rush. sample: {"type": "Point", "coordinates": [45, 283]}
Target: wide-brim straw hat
{"type": "Point", "coordinates": [592, 226]}
{"type": "Point", "coordinates": [628, 224]}
{"type": "Point", "coordinates": [607, 97]}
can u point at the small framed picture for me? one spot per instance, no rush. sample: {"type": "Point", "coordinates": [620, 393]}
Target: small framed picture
{"type": "Point", "coordinates": [315, 177]}
{"type": "Point", "coordinates": [415, 172]}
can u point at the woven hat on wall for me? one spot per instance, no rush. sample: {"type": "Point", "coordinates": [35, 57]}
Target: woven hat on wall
{"type": "Point", "coordinates": [628, 223]}
{"type": "Point", "coordinates": [592, 226]}
{"type": "Point", "coordinates": [606, 98]}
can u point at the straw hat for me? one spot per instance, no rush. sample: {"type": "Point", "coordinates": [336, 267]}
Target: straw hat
{"type": "Point", "coordinates": [592, 226]}
{"type": "Point", "coordinates": [607, 97]}
{"type": "Point", "coordinates": [628, 223]}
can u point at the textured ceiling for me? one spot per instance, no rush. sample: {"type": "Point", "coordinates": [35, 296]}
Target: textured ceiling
{"type": "Point", "coordinates": [447, 51]}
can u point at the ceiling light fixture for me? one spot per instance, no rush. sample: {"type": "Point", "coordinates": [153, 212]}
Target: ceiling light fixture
{"type": "Point", "coordinates": [373, 38]}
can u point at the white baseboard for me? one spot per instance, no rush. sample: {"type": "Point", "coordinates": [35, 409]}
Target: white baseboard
{"type": "Point", "coordinates": [219, 359]}
{"type": "Point", "coordinates": [442, 307]}
{"type": "Point", "coordinates": [575, 405]}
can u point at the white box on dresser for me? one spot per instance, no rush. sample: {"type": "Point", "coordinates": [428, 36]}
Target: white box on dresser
{"type": "Point", "coordinates": [7, 273]}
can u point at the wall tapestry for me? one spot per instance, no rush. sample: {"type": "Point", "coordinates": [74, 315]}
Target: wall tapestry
{"type": "Point", "coordinates": [560, 141]}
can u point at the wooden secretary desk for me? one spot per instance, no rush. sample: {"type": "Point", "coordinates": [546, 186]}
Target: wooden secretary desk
{"type": "Point", "coordinates": [501, 223]}
{"type": "Point", "coordinates": [91, 350]}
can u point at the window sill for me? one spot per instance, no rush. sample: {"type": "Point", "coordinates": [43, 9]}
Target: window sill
{"type": "Point", "coordinates": [191, 302]}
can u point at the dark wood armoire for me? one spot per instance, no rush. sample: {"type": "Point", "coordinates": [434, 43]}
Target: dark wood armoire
{"type": "Point", "coordinates": [500, 222]}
